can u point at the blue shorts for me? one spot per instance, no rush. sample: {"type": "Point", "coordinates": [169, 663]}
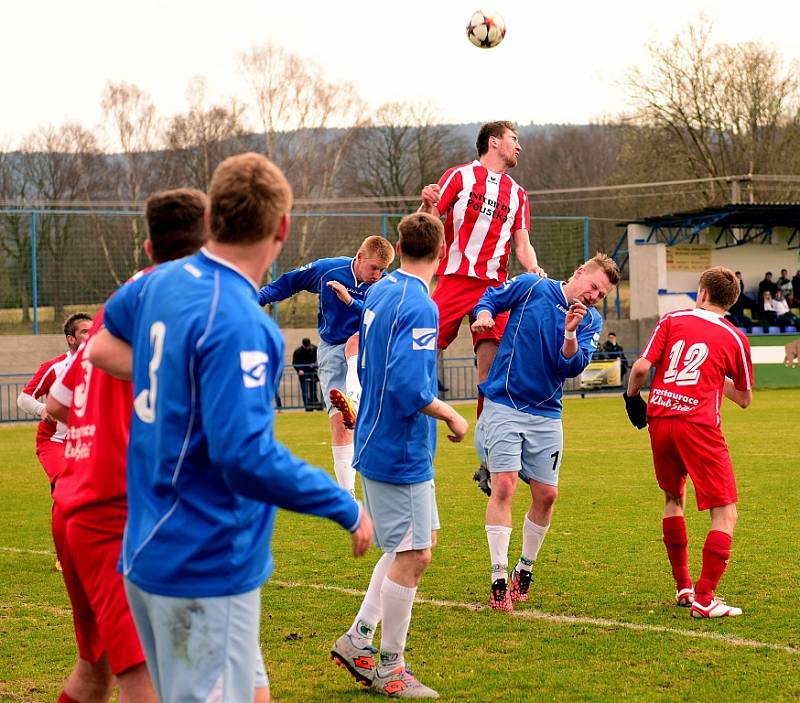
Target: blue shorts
{"type": "Point", "coordinates": [200, 649]}
{"type": "Point", "coordinates": [404, 515]}
{"type": "Point", "coordinates": [530, 445]}
{"type": "Point", "coordinates": [332, 369]}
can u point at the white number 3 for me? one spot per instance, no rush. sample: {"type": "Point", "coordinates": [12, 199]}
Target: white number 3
{"type": "Point", "coordinates": [689, 375]}
{"type": "Point", "coordinates": [145, 402]}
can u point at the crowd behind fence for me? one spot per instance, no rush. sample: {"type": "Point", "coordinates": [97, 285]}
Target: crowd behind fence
{"type": "Point", "coordinates": [58, 259]}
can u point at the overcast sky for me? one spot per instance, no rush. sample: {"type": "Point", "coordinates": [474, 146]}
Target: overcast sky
{"type": "Point", "coordinates": [560, 62]}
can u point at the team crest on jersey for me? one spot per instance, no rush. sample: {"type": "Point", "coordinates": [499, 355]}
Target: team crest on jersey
{"type": "Point", "coordinates": [423, 338]}
{"type": "Point", "coordinates": [254, 368]}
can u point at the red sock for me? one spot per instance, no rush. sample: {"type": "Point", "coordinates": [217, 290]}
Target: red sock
{"type": "Point", "coordinates": [64, 698]}
{"type": "Point", "coordinates": [676, 541]}
{"type": "Point", "coordinates": [480, 403]}
{"type": "Point", "coordinates": [716, 552]}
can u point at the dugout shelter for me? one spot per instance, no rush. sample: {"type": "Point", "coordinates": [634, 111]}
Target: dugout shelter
{"type": "Point", "coordinates": [665, 253]}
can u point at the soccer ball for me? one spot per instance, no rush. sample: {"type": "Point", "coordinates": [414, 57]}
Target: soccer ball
{"type": "Point", "coordinates": [486, 29]}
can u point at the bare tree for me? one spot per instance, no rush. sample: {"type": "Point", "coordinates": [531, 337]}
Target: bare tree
{"type": "Point", "coordinates": [203, 136]}
{"type": "Point", "coordinates": [307, 122]}
{"type": "Point", "coordinates": [60, 165]}
{"type": "Point", "coordinates": [398, 150]}
{"type": "Point", "coordinates": [711, 110]}
{"type": "Point", "coordinates": [132, 129]}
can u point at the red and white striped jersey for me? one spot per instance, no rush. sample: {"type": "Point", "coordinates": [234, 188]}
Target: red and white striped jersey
{"type": "Point", "coordinates": [38, 387]}
{"type": "Point", "coordinates": [483, 210]}
{"type": "Point", "coordinates": [693, 351]}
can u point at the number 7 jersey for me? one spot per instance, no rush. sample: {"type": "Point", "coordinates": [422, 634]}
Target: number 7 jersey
{"type": "Point", "coordinates": [693, 351]}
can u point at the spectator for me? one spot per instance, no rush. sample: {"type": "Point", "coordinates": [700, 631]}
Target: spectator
{"type": "Point", "coordinates": [795, 289]}
{"type": "Point", "coordinates": [612, 350]}
{"type": "Point", "coordinates": [784, 316]}
{"type": "Point", "coordinates": [785, 284]}
{"type": "Point", "coordinates": [744, 301]}
{"type": "Point", "coordinates": [767, 285]}
{"type": "Point", "coordinates": [304, 361]}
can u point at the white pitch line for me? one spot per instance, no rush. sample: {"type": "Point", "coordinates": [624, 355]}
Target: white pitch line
{"type": "Point", "coordinates": [525, 614]}
{"type": "Point", "coordinates": [569, 619]}
{"type": "Point", "coordinates": [16, 550]}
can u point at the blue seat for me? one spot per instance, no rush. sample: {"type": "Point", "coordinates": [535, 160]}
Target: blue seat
{"type": "Point", "coordinates": [743, 329]}
{"type": "Point", "coordinates": [790, 329]}
{"type": "Point", "coordinates": [773, 329]}
{"type": "Point", "coordinates": [757, 329]}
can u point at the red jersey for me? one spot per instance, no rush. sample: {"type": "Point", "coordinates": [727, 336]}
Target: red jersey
{"type": "Point", "coordinates": [693, 351]}
{"type": "Point", "coordinates": [483, 211]}
{"type": "Point", "coordinates": [97, 437]}
{"type": "Point", "coordinates": [38, 387]}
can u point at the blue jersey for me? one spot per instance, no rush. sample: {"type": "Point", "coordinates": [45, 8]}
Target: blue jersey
{"type": "Point", "coordinates": [394, 442]}
{"type": "Point", "coordinates": [335, 320]}
{"type": "Point", "coordinates": [529, 370]}
{"type": "Point", "coordinates": [204, 470]}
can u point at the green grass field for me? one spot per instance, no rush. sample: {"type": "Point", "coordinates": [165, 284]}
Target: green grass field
{"type": "Point", "coordinates": [600, 625]}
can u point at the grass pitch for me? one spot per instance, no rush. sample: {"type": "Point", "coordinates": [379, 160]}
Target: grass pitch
{"type": "Point", "coordinates": [600, 624]}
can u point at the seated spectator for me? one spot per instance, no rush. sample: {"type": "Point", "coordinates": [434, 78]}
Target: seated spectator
{"type": "Point", "coordinates": [767, 285]}
{"type": "Point", "coordinates": [795, 301]}
{"type": "Point", "coordinates": [611, 350]}
{"type": "Point", "coordinates": [785, 317]}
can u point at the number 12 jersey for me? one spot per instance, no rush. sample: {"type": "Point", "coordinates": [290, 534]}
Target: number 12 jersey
{"type": "Point", "coordinates": [693, 351]}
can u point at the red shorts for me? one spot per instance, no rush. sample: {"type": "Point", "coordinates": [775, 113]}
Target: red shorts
{"type": "Point", "coordinates": [89, 552]}
{"type": "Point", "coordinates": [51, 457]}
{"type": "Point", "coordinates": [681, 448]}
{"type": "Point", "coordinates": [456, 296]}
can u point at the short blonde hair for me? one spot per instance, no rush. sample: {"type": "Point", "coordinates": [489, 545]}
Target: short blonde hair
{"type": "Point", "coordinates": [249, 196]}
{"type": "Point", "coordinates": [376, 247]}
{"type": "Point", "coordinates": [721, 285]}
{"type": "Point", "coordinates": [607, 264]}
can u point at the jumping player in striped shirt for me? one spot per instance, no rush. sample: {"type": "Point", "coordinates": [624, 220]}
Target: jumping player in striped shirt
{"type": "Point", "coordinates": [699, 358]}
{"type": "Point", "coordinates": [485, 210]}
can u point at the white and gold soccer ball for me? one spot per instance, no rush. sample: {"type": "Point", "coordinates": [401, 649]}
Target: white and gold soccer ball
{"type": "Point", "coordinates": [486, 29]}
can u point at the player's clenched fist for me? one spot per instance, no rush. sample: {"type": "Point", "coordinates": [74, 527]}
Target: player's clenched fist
{"type": "Point", "coordinates": [431, 194]}
{"type": "Point", "coordinates": [483, 322]}
{"type": "Point", "coordinates": [458, 427]}
{"type": "Point", "coordinates": [576, 312]}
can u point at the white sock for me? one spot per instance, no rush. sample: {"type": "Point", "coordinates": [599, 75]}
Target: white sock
{"type": "Point", "coordinates": [499, 536]}
{"type": "Point", "coordinates": [363, 628]}
{"type": "Point", "coordinates": [343, 467]}
{"type": "Point", "coordinates": [532, 538]}
{"type": "Point", "coordinates": [351, 384]}
{"type": "Point", "coordinates": [396, 601]}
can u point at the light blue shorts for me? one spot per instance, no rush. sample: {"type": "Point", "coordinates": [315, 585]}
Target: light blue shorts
{"type": "Point", "coordinates": [200, 649]}
{"type": "Point", "coordinates": [332, 369]}
{"type": "Point", "coordinates": [404, 515]}
{"type": "Point", "coordinates": [516, 441]}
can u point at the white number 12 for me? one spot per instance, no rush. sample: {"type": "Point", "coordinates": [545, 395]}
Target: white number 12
{"type": "Point", "coordinates": [689, 375]}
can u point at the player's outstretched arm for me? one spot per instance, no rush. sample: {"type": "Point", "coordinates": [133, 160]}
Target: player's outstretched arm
{"type": "Point", "coordinates": [111, 354]}
{"type": "Point", "coordinates": [443, 411]}
{"type": "Point", "coordinates": [285, 286]}
{"type": "Point", "coordinates": [483, 322]}
{"type": "Point", "coordinates": [741, 398]}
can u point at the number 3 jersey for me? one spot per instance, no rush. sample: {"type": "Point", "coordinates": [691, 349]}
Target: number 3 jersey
{"type": "Point", "coordinates": [693, 351]}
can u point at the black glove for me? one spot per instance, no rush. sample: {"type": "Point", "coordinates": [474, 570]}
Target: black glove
{"type": "Point", "coordinates": [484, 479]}
{"type": "Point", "coordinates": [636, 409]}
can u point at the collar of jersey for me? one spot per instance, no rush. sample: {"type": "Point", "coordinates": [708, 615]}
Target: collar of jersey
{"type": "Point", "coordinates": [412, 275]}
{"type": "Point", "coordinates": [227, 264]}
{"type": "Point", "coordinates": [499, 174]}
{"type": "Point", "coordinates": [707, 314]}
{"type": "Point", "coordinates": [356, 282]}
